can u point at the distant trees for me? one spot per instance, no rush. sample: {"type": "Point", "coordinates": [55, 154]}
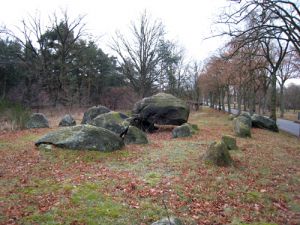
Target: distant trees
{"type": "Point", "coordinates": [264, 34]}
{"type": "Point", "coordinates": [292, 93]}
{"type": "Point", "coordinates": [55, 64]}
{"type": "Point", "coordinates": [10, 66]}
{"type": "Point", "coordinates": [244, 77]}
{"type": "Point", "coordinates": [287, 70]}
{"type": "Point", "coordinates": [149, 61]}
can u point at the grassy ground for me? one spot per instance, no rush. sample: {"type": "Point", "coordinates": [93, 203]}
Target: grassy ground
{"type": "Point", "coordinates": [132, 186]}
{"type": "Point", "coordinates": [290, 115]}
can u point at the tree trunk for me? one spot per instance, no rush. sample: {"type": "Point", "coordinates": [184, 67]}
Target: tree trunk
{"type": "Point", "coordinates": [281, 101]}
{"type": "Point", "coordinates": [245, 103]}
{"type": "Point", "coordinates": [228, 100]}
{"type": "Point", "coordinates": [219, 103]}
{"type": "Point", "coordinates": [273, 97]}
{"type": "Point", "coordinates": [223, 99]}
{"type": "Point", "coordinates": [211, 99]}
{"type": "Point", "coordinates": [259, 105]}
{"type": "Point", "coordinates": [239, 101]}
{"type": "Point", "coordinates": [252, 102]}
{"type": "Point", "coordinates": [234, 98]}
{"type": "Point", "coordinates": [89, 91]}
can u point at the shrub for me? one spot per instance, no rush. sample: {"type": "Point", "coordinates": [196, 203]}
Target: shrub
{"type": "Point", "coordinates": [14, 113]}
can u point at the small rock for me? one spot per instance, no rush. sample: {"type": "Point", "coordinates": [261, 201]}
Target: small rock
{"type": "Point", "coordinates": [135, 136]}
{"type": "Point", "coordinates": [67, 121]}
{"type": "Point", "coordinates": [241, 127]}
{"type": "Point", "coordinates": [113, 121]}
{"type": "Point", "coordinates": [229, 141]}
{"type": "Point", "coordinates": [45, 147]}
{"type": "Point", "coordinates": [218, 154]}
{"type": "Point", "coordinates": [93, 112]}
{"type": "Point", "coordinates": [246, 118]}
{"type": "Point", "coordinates": [37, 120]}
{"type": "Point", "coordinates": [182, 131]}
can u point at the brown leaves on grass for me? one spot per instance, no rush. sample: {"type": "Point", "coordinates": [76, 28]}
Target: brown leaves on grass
{"type": "Point", "coordinates": [254, 190]}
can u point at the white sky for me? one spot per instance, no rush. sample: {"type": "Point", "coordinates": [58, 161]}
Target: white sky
{"type": "Point", "coordinates": [187, 21]}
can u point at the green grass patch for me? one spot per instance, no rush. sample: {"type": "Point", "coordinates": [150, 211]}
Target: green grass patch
{"type": "Point", "coordinates": [87, 205]}
{"type": "Point", "coordinates": [153, 178]}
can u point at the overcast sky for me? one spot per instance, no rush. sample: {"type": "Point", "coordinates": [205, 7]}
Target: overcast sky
{"type": "Point", "coordinates": [187, 21]}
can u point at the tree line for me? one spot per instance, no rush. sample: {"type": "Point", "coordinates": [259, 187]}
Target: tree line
{"type": "Point", "coordinates": [251, 70]}
{"type": "Point", "coordinates": [61, 64]}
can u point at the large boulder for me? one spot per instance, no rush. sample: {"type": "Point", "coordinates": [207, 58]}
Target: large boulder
{"type": "Point", "coordinates": [113, 121]}
{"type": "Point", "coordinates": [168, 221]}
{"type": "Point", "coordinates": [241, 126]}
{"type": "Point", "coordinates": [264, 122]}
{"type": "Point", "coordinates": [135, 136]}
{"type": "Point", "coordinates": [218, 154]}
{"type": "Point", "coordinates": [83, 137]}
{"type": "Point", "coordinates": [37, 120]}
{"type": "Point", "coordinates": [93, 112]}
{"type": "Point", "coordinates": [164, 109]}
{"type": "Point", "coordinates": [67, 121]}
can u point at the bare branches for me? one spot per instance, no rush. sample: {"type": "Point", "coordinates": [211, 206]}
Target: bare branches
{"type": "Point", "coordinates": [140, 53]}
{"type": "Point", "coordinates": [274, 19]}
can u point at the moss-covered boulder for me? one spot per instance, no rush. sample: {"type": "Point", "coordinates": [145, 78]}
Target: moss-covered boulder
{"type": "Point", "coordinates": [83, 137]}
{"type": "Point", "coordinates": [218, 154]}
{"type": "Point", "coordinates": [164, 109]}
{"type": "Point", "coordinates": [184, 130]}
{"type": "Point", "coordinates": [230, 142]}
{"type": "Point", "coordinates": [264, 123]}
{"type": "Point", "coordinates": [168, 221]}
{"type": "Point", "coordinates": [113, 121]}
{"type": "Point", "coordinates": [241, 127]}
{"type": "Point", "coordinates": [37, 120]}
{"type": "Point", "coordinates": [67, 121]}
{"type": "Point", "coordinates": [135, 136]}
{"type": "Point", "coordinates": [245, 118]}
{"type": "Point", "coordinates": [93, 112]}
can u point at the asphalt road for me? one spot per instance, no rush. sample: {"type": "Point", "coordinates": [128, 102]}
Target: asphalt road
{"type": "Point", "coordinates": [285, 125]}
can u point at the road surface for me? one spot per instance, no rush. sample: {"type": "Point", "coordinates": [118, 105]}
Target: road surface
{"type": "Point", "coordinates": [285, 125]}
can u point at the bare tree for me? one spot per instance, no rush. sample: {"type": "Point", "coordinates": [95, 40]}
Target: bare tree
{"type": "Point", "coordinates": [257, 21]}
{"type": "Point", "coordinates": [287, 70]}
{"type": "Point", "coordinates": [48, 53]}
{"type": "Point", "coordinates": [139, 53]}
{"type": "Point", "coordinates": [64, 35]}
{"type": "Point", "coordinates": [280, 18]}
